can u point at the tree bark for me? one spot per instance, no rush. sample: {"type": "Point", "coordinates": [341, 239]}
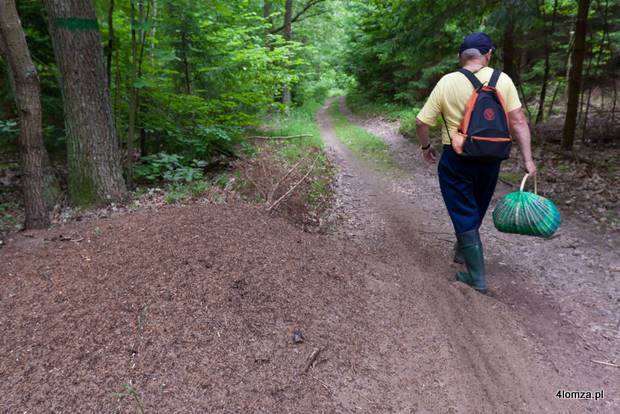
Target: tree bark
{"type": "Point", "coordinates": [133, 100]}
{"type": "Point", "coordinates": [185, 62]}
{"type": "Point", "coordinates": [288, 35]}
{"type": "Point", "coordinates": [95, 173]}
{"type": "Point", "coordinates": [267, 9]}
{"type": "Point", "coordinates": [110, 42]}
{"type": "Point", "coordinates": [25, 80]}
{"type": "Point", "coordinates": [575, 75]}
{"type": "Point", "coordinates": [510, 68]}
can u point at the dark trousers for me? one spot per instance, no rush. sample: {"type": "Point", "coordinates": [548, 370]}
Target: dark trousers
{"type": "Point", "coordinates": [467, 187]}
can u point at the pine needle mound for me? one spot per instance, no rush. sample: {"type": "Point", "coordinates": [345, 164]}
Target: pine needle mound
{"type": "Point", "coordinates": [526, 213]}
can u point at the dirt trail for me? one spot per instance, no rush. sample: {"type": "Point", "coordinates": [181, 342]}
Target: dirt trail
{"type": "Point", "coordinates": [192, 308]}
{"type": "Point", "coordinates": [437, 346]}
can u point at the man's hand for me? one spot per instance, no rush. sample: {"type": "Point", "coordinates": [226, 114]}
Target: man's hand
{"type": "Point", "coordinates": [530, 167]}
{"type": "Point", "coordinates": [430, 154]}
{"type": "Point", "coordinates": [422, 130]}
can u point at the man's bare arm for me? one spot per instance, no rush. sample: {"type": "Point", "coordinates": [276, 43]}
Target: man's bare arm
{"type": "Point", "coordinates": [521, 131]}
{"type": "Point", "coordinates": [423, 132]}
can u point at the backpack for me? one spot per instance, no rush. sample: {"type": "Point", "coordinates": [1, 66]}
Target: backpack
{"type": "Point", "coordinates": [483, 133]}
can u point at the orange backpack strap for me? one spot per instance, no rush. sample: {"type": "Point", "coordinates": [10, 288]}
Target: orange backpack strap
{"type": "Point", "coordinates": [468, 110]}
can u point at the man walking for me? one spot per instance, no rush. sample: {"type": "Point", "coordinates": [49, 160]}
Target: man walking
{"type": "Point", "coordinates": [467, 185]}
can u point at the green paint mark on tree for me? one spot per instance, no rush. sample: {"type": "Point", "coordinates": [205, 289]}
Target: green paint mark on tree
{"type": "Point", "coordinates": [74, 23]}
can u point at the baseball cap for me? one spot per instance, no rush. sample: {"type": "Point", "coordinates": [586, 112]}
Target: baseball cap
{"type": "Point", "coordinates": [477, 40]}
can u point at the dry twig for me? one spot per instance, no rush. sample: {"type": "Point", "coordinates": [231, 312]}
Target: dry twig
{"type": "Point", "coordinates": [609, 364]}
{"type": "Point", "coordinates": [275, 187]}
{"type": "Point", "coordinates": [279, 200]}
{"type": "Point", "coordinates": [312, 358]}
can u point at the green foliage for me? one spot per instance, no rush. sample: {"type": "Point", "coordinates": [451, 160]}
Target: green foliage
{"type": "Point", "coordinates": [203, 63]}
{"type": "Point", "coordinates": [171, 168]}
{"type": "Point", "coordinates": [399, 49]}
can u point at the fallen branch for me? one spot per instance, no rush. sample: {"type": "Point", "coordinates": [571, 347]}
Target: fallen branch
{"type": "Point", "coordinates": [280, 137]}
{"type": "Point", "coordinates": [609, 364]}
{"type": "Point", "coordinates": [312, 358]}
{"type": "Point", "coordinates": [279, 200]}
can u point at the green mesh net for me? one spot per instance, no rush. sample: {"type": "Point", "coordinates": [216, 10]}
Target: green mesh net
{"type": "Point", "coordinates": [526, 213]}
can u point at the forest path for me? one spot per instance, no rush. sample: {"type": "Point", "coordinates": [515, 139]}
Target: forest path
{"type": "Point", "coordinates": [435, 345]}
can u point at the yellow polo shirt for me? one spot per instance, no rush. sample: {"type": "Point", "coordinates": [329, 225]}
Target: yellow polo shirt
{"type": "Point", "coordinates": [451, 94]}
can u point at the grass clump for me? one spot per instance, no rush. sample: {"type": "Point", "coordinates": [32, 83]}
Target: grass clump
{"type": "Point", "coordinates": [180, 192]}
{"type": "Point", "coordinates": [361, 142]}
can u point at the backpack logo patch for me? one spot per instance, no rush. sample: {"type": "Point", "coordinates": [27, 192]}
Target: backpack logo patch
{"type": "Point", "coordinates": [489, 114]}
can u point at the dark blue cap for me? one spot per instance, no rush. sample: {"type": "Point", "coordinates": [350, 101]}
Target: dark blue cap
{"type": "Point", "coordinates": [477, 40]}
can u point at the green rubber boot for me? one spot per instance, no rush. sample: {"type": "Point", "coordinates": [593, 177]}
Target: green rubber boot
{"type": "Point", "coordinates": [470, 247]}
{"type": "Point", "coordinates": [458, 256]}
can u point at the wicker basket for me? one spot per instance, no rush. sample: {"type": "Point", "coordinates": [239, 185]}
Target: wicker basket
{"type": "Point", "coordinates": [526, 213]}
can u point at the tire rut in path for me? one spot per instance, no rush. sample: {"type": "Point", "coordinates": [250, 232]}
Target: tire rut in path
{"type": "Point", "coordinates": [433, 345]}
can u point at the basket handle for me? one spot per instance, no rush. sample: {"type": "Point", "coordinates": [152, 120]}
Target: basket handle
{"type": "Point", "coordinates": [535, 183]}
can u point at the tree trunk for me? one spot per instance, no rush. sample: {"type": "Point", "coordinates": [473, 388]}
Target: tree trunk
{"type": "Point", "coordinates": [575, 74]}
{"type": "Point", "coordinates": [287, 32]}
{"type": "Point", "coordinates": [95, 173]}
{"type": "Point", "coordinates": [288, 20]}
{"type": "Point", "coordinates": [25, 80]}
{"type": "Point", "coordinates": [267, 9]}
{"type": "Point", "coordinates": [185, 62]}
{"type": "Point", "coordinates": [510, 68]}
{"type": "Point", "coordinates": [133, 99]}
{"type": "Point", "coordinates": [110, 42]}
{"type": "Point", "coordinates": [545, 80]}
